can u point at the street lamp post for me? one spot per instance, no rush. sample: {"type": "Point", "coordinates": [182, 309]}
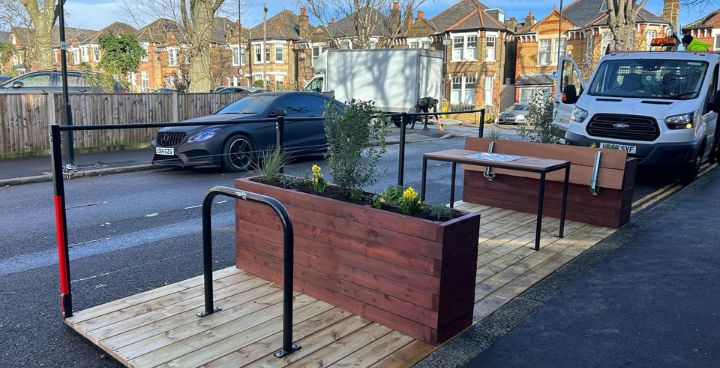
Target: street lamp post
{"type": "Point", "coordinates": [559, 44]}
{"type": "Point", "coordinates": [67, 113]}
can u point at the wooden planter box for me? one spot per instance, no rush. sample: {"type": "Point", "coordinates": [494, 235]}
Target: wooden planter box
{"type": "Point", "coordinates": [409, 274]}
{"type": "Point", "coordinates": [518, 191]}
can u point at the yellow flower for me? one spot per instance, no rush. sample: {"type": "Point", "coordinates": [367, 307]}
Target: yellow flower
{"type": "Point", "coordinates": [316, 169]}
{"type": "Point", "coordinates": [410, 193]}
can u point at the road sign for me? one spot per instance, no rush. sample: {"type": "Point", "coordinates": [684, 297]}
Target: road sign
{"type": "Point", "coordinates": [554, 75]}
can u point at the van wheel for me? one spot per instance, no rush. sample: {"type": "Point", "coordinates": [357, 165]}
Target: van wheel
{"type": "Point", "coordinates": [238, 154]}
{"type": "Point", "coordinates": [690, 171]}
{"type": "Point", "coordinates": [715, 152]}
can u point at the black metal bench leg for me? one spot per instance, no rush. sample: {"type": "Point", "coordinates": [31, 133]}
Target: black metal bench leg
{"type": "Point", "coordinates": [452, 185]}
{"type": "Point", "coordinates": [566, 184]}
{"type": "Point", "coordinates": [538, 225]}
{"type": "Point", "coordinates": [424, 178]}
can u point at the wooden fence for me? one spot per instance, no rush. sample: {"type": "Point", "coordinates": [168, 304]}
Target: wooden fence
{"type": "Point", "coordinates": [25, 118]}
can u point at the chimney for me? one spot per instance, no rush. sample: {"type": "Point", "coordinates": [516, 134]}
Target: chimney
{"type": "Point", "coordinates": [304, 24]}
{"type": "Point", "coordinates": [512, 24]}
{"type": "Point", "coordinates": [408, 18]}
{"type": "Point", "coordinates": [530, 20]}
{"type": "Point", "coordinates": [671, 12]}
{"type": "Point", "coordinates": [395, 18]}
{"type": "Point", "coordinates": [420, 14]}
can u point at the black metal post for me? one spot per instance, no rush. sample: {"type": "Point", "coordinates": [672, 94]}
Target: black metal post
{"type": "Point", "coordinates": [564, 201]}
{"type": "Point", "coordinates": [424, 178]}
{"type": "Point", "coordinates": [288, 249]}
{"type": "Point", "coordinates": [67, 111]}
{"type": "Point", "coordinates": [541, 198]}
{"type": "Point", "coordinates": [61, 222]}
{"type": "Point", "coordinates": [401, 154]}
{"type": "Point", "coordinates": [280, 136]}
{"type": "Point", "coordinates": [452, 185]}
{"type": "Point", "coordinates": [481, 128]}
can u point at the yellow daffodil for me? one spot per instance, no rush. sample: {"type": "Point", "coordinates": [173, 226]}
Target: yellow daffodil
{"type": "Point", "coordinates": [315, 169]}
{"type": "Point", "coordinates": [410, 193]}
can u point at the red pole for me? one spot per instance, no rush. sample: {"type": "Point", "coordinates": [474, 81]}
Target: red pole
{"type": "Point", "coordinates": [61, 223]}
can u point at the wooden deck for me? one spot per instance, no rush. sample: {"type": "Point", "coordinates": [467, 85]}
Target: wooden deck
{"type": "Point", "coordinates": [159, 327]}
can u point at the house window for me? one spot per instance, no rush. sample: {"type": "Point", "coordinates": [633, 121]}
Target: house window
{"type": "Point", "coordinates": [55, 56]}
{"type": "Point", "coordinates": [456, 90]}
{"type": "Point", "coordinates": [544, 57]}
{"type": "Point", "coordinates": [562, 44]}
{"type": "Point", "coordinates": [426, 44]}
{"type": "Point", "coordinates": [316, 50]}
{"type": "Point", "coordinates": [258, 54]}
{"type": "Point", "coordinates": [457, 51]}
{"type": "Point", "coordinates": [279, 57]}
{"type": "Point", "coordinates": [589, 49]}
{"type": "Point", "coordinates": [279, 85]}
{"type": "Point", "coordinates": [144, 80]}
{"type": "Point", "coordinates": [469, 93]}
{"type": "Point", "coordinates": [170, 81]}
{"type": "Point", "coordinates": [96, 53]}
{"type": "Point", "coordinates": [132, 78]}
{"type": "Point", "coordinates": [85, 55]}
{"type": "Point", "coordinates": [413, 45]}
{"type": "Point", "coordinates": [172, 56]}
{"type": "Point", "coordinates": [651, 35]}
{"type": "Point", "coordinates": [267, 53]}
{"type": "Point", "coordinates": [470, 47]}
{"type": "Point", "coordinates": [372, 44]}
{"type": "Point", "coordinates": [345, 44]}
{"type": "Point", "coordinates": [76, 56]}
{"type": "Point", "coordinates": [462, 90]}
{"type": "Point", "coordinates": [607, 40]}
{"type": "Point", "coordinates": [489, 90]}
{"type": "Point", "coordinates": [490, 45]}
{"type": "Point", "coordinates": [235, 55]}
{"type": "Point", "coordinates": [528, 94]}
{"type": "Point", "coordinates": [145, 49]}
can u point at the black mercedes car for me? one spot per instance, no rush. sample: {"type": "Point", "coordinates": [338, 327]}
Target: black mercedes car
{"type": "Point", "coordinates": [237, 146]}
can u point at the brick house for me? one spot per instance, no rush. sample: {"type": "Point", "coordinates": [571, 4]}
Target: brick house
{"type": "Point", "coordinates": [584, 37]}
{"type": "Point", "coordinates": [22, 40]}
{"type": "Point", "coordinates": [706, 29]}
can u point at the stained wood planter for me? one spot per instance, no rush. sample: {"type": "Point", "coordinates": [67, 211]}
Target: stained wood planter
{"type": "Point", "coordinates": [413, 275]}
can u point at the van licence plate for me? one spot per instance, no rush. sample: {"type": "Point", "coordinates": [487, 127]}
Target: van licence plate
{"type": "Point", "coordinates": [166, 151]}
{"type": "Point", "coordinates": [623, 147]}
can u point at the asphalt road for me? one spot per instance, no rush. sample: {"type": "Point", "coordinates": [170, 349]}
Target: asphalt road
{"type": "Point", "coordinates": [128, 233]}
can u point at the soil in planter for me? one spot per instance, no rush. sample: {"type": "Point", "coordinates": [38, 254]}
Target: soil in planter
{"type": "Point", "coordinates": [334, 192]}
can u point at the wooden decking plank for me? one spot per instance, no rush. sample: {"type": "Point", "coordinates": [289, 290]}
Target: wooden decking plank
{"type": "Point", "coordinates": [118, 322]}
{"type": "Point", "coordinates": [252, 352]}
{"type": "Point", "coordinates": [233, 307]}
{"type": "Point", "coordinates": [224, 338]}
{"type": "Point", "coordinates": [375, 351]}
{"type": "Point", "coordinates": [148, 295]}
{"type": "Point", "coordinates": [344, 346]}
{"type": "Point", "coordinates": [406, 356]}
{"type": "Point", "coordinates": [315, 342]}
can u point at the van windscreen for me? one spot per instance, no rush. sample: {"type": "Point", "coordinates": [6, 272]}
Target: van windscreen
{"type": "Point", "coordinates": [649, 78]}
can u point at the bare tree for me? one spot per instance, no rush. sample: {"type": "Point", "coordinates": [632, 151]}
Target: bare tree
{"type": "Point", "coordinates": [367, 17]}
{"type": "Point", "coordinates": [37, 18]}
{"type": "Point", "coordinates": [196, 18]}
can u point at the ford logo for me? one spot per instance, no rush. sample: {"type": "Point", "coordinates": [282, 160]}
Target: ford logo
{"type": "Point", "coordinates": [621, 126]}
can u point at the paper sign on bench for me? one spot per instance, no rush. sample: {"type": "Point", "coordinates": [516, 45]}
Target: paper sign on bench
{"type": "Point", "coordinates": [493, 157]}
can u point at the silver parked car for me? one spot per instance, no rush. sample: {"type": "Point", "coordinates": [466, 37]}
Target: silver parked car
{"type": "Point", "coordinates": [515, 114]}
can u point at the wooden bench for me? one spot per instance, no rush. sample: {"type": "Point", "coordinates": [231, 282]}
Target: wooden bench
{"type": "Point", "coordinates": [517, 190]}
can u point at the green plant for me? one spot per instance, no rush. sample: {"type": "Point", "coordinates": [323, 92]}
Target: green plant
{"type": "Point", "coordinates": [539, 126]}
{"type": "Point", "coordinates": [259, 84]}
{"type": "Point", "coordinates": [318, 180]}
{"type": "Point", "coordinates": [96, 79]}
{"type": "Point", "coordinates": [410, 203]}
{"type": "Point", "coordinates": [121, 54]}
{"type": "Point", "coordinates": [390, 197]}
{"type": "Point", "coordinates": [439, 213]}
{"type": "Point", "coordinates": [271, 165]}
{"type": "Point", "coordinates": [356, 141]}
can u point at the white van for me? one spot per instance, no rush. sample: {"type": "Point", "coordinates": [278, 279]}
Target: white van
{"type": "Point", "coordinates": [661, 107]}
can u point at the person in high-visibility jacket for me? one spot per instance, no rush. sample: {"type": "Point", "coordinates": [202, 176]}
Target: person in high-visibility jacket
{"type": "Point", "coordinates": [691, 44]}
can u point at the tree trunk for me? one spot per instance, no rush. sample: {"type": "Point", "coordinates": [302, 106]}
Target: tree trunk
{"type": "Point", "coordinates": [622, 15]}
{"type": "Point", "coordinates": [201, 37]}
{"type": "Point", "coordinates": [43, 48]}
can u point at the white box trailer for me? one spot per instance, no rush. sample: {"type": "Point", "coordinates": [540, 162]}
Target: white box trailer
{"type": "Point", "coordinates": [394, 78]}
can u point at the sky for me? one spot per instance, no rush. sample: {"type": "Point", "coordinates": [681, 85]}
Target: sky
{"type": "Point", "coordinates": [95, 14]}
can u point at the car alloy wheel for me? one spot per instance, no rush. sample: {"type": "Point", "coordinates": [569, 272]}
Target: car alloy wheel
{"type": "Point", "coordinates": [239, 154]}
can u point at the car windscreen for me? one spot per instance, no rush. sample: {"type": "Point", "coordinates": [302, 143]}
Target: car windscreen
{"type": "Point", "coordinates": [649, 78]}
{"type": "Point", "coordinates": [253, 104]}
{"type": "Point", "coordinates": [519, 108]}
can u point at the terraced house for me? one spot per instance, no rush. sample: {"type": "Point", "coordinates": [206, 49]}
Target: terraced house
{"type": "Point", "coordinates": [584, 36]}
{"type": "Point", "coordinates": [706, 29]}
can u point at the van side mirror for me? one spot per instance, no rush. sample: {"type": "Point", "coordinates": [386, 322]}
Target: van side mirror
{"type": "Point", "coordinates": [277, 112]}
{"type": "Point", "coordinates": [569, 94]}
{"type": "Point", "coordinates": [17, 84]}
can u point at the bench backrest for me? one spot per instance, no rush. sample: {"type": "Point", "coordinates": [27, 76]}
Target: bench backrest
{"type": "Point", "coordinates": [611, 175]}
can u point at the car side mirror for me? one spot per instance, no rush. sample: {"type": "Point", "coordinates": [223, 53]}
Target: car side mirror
{"type": "Point", "coordinates": [277, 112]}
{"type": "Point", "coordinates": [569, 94]}
{"type": "Point", "coordinates": [17, 84]}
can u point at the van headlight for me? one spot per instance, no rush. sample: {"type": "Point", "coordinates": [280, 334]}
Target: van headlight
{"type": "Point", "coordinates": [682, 121]}
{"type": "Point", "coordinates": [203, 135]}
{"type": "Point", "coordinates": [578, 115]}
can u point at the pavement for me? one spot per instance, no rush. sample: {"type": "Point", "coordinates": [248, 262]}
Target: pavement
{"type": "Point", "coordinates": [39, 169]}
{"type": "Point", "coordinates": [648, 296]}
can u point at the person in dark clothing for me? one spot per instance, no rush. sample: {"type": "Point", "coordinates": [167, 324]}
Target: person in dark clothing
{"type": "Point", "coordinates": [424, 104]}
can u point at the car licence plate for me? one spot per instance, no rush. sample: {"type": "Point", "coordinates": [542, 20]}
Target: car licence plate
{"type": "Point", "coordinates": [623, 147]}
{"type": "Point", "coordinates": [166, 151]}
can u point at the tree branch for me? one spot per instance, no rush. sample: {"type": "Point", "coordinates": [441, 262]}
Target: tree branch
{"type": "Point", "coordinates": [184, 14]}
